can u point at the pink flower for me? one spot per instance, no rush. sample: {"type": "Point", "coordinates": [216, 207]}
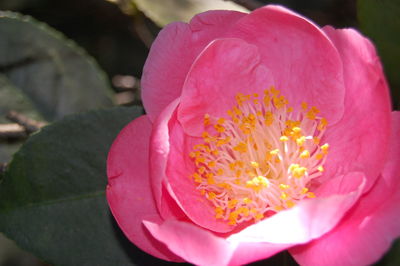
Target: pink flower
{"type": "Point", "coordinates": [263, 133]}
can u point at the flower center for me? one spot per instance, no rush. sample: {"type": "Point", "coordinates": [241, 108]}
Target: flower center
{"type": "Point", "coordinates": [261, 159]}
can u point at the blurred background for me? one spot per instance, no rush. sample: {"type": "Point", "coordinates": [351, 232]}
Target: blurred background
{"type": "Point", "coordinates": [119, 33]}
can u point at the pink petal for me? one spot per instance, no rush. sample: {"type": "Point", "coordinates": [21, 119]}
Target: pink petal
{"type": "Point", "coordinates": [224, 68]}
{"type": "Point", "coordinates": [181, 185]}
{"type": "Point", "coordinates": [367, 231]}
{"type": "Point", "coordinates": [192, 243]}
{"type": "Point", "coordinates": [303, 62]}
{"type": "Point", "coordinates": [128, 190]}
{"type": "Point", "coordinates": [159, 151]}
{"type": "Point", "coordinates": [174, 51]}
{"type": "Point", "coordinates": [360, 140]}
{"type": "Point", "coordinates": [308, 220]}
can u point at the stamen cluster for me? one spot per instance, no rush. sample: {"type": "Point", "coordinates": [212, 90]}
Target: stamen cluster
{"type": "Point", "coordinates": [261, 158]}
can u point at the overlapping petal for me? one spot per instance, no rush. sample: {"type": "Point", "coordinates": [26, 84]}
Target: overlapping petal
{"type": "Point", "coordinates": [303, 62]}
{"type": "Point", "coordinates": [170, 57]}
{"type": "Point", "coordinates": [359, 141]}
{"type": "Point", "coordinates": [368, 229]}
{"type": "Point", "coordinates": [128, 192]}
{"type": "Point", "coordinates": [214, 85]}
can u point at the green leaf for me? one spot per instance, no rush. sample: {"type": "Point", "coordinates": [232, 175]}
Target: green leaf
{"type": "Point", "coordinates": [380, 20]}
{"type": "Point", "coordinates": [11, 98]}
{"type": "Point", "coordinates": [57, 75]}
{"type": "Point", "coordinates": [52, 198]}
{"type": "Point", "coordinates": [163, 12]}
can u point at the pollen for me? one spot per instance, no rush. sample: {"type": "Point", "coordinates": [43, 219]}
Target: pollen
{"type": "Point", "coordinates": [260, 158]}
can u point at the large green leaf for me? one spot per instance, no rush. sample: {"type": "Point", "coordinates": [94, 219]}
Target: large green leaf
{"type": "Point", "coordinates": [57, 75]}
{"type": "Point", "coordinates": [52, 199]}
{"type": "Point", "coordinates": [380, 20]}
{"type": "Point", "coordinates": [11, 98]}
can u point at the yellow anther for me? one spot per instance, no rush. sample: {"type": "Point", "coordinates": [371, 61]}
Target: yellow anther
{"type": "Point", "coordinates": [289, 204]}
{"type": "Point", "coordinates": [297, 170]}
{"type": "Point", "coordinates": [319, 156]}
{"type": "Point", "coordinates": [219, 212]}
{"type": "Point", "coordinates": [254, 164]}
{"type": "Point", "coordinates": [278, 208]}
{"type": "Point", "coordinates": [304, 106]}
{"type": "Point", "coordinates": [220, 121]}
{"type": "Point", "coordinates": [304, 190]}
{"type": "Point", "coordinates": [322, 124]}
{"type": "Point", "coordinates": [238, 173]}
{"type": "Point", "coordinates": [237, 111]}
{"type": "Point", "coordinates": [206, 119]}
{"type": "Point", "coordinates": [269, 118]}
{"type": "Point", "coordinates": [211, 195]}
{"type": "Point", "coordinates": [273, 90]}
{"type": "Point", "coordinates": [305, 154]}
{"type": "Point", "coordinates": [220, 171]}
{"type": "Point", "coordinates": [200, 160]}
{"type": "Point", "coordinates": [244, 211]}
{"type": "Point", "coordinates": [201, 169]}
{"type": "Point", "coordinates": [274, 152]}
{"type": "Point", "coordinates": [233, 218]}
{"type": "Point", "coordinates": [315, 109]}
{"type": "Point", "coordinates": [284, 196]}
{"type": "Point", "coordinates": [197, 178]}
{"type": "Point", "coordinates": [192, 154]}
{"type": "Point", "coordinates": [283, 138]}
{"type": "Point", "coordinates": [241, 147]}
{"type": "Point", "coordinates": [320, 168]}
{"type": "Point", "coordinates": [310, 195]}
{"type": "Point", "coordinates": [289, 110]}
{"type": "Point", "coordinates": [219, 128]}
{"type": "Point", "coordinates": [316, 140]}
{"type": "Point", "coordinates": [257, 183]}
{"type": "Point", "coordinates": [232, 203]}
{"type": "Point", "coordinates": [210, 178]}
{"type": "Point", "coordinates": [296, 129]}
{"type": "Point", "coordinates": [283, 186]}
{"type": "Point", "coordinates": [258, 216]}
{"type": "Point", "coordinates": [325, 148]}
{"type": "Point", "coordinates": [300, 141]}
{"type": "Point", "coordinates": [247, 201]}
{"type": "Point", "coordinates": [211, 164]}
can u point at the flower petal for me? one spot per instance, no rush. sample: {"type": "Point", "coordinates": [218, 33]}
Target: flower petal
{"type": "Point", "coordinates": [159, 152]}
{"type": "Point", "coordinates": [305, 65]}
{"type": "Point", "coordinates": [169, 59]}
{"type": "Point", "coordinates": [128, 190]}
{"type": "Point", "coordinates": [360, 140]}
{"type": "Point", "coordinates": [308, 220]}
{"type": "Point", "coordinates": [369, 228]}
{"type": "Point", "coordinates": [224, 68]}
{"type": "Point", "coordinates": [192, 243]}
